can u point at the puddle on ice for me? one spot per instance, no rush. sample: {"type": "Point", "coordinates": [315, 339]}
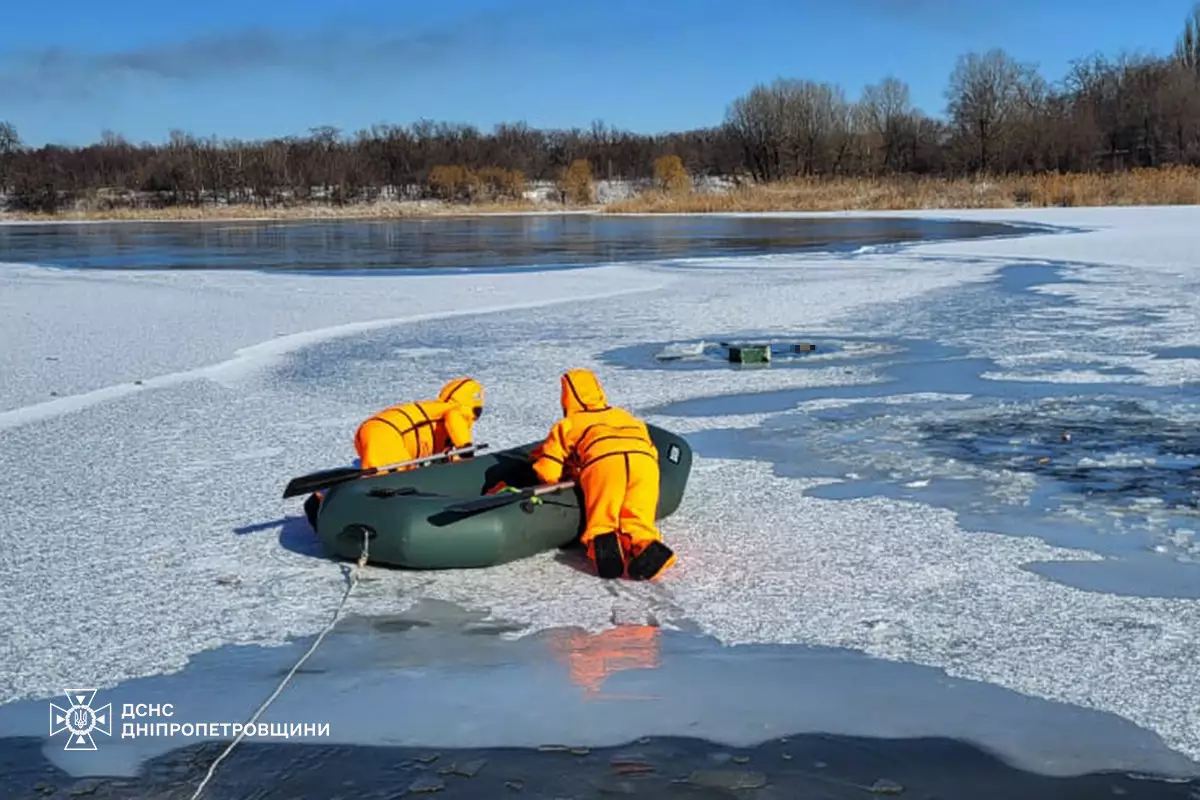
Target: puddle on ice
{"type": "Point", "coordinates": [438, 678]}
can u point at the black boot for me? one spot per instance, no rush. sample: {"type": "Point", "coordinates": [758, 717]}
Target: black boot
{"type": "Point", "coordinates": [609, 561]}
{"type": "Point", "coordinates": [311, 506]}
{"type": "Point", "coordinates": [650, 561]}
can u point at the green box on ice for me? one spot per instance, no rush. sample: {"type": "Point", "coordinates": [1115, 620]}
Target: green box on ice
{"type": "Point", "coordinates": [750, 354]}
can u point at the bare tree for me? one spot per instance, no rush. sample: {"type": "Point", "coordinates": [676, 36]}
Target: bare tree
{"type": "Point", "coordinates": [1187, 47]}
{"type": "Point", "coordinates": [755, 121]}
{"type": "Point", "coordinates": [10, 143]}
{"type": "Point", "coordinates": [888, 116]}
{"type": "Point", "coordinates": [985, 96]}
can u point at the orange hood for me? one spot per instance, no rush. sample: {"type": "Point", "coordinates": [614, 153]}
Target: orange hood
{"type": "Point", "coordinates": [467, 393]}
{"type": "Point", "coordinates": [581, 391]}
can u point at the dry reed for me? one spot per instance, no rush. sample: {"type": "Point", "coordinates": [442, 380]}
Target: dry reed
{"type": "Point", "coordinates": [1175, 185]}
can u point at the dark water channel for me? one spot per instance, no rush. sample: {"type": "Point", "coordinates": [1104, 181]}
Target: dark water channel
{"type": "Point", "coordinates": [537, 241]}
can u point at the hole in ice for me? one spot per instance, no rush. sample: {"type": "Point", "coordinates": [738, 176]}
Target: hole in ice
{"type": "Point", "coordinates": [790, 350]}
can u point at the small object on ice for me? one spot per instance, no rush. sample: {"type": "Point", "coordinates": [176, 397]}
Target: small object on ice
{"type": "Point", "coordinates": [749, 353]}
{"type": "Point", "coordinates": [885, 786]}
{"type": "Point", "coordinates": [803, 347]}
{"type": "Point", "coordinates": [229, 580]}
{"type": "Point", "coordinates": [627, 758]}
{"type": "Point", "coordinates": [468, 769]}
{"type": "Point", "coordinates": [137, 383]}
{"type": "Point", "coordinates": [680, 350]}
{"type": "Point", "coordinates": [630, 764]}
{"type": "Point", "coordinates": [730, 779]}
{"type": "Point", "coordinates": [427, 783]}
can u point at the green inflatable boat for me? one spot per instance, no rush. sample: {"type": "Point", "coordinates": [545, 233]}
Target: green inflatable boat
{"type": "Point", "coordinates": [409, 520]}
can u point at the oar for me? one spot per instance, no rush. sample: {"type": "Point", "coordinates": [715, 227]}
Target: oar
{"type": "Point", "coordinates": [306, 484]}
{"type": "Point", "coordinates": [504, 498]}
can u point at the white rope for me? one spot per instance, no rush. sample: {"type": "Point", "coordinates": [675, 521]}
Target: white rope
{"type": "Point", "coordinates": [358, 567]}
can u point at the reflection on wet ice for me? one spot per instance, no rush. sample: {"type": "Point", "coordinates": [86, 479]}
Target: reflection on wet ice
{"type": "Point", "coordinates": [593, 658]}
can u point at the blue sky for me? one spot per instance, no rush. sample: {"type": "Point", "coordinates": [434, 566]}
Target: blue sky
{"type": "Point", "coordinates": [255, 68]}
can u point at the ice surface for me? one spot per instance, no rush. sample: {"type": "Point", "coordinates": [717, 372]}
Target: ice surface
{"type": "Point", "coordinates": [86, 336]}
{"type": "Point", "coordinates": [124, 513]}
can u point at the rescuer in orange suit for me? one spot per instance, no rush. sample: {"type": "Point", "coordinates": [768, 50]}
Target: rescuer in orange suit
{"type": "Point", "coordinates": [416, 430]}
{"type": "Point", "coordinates": [609, 453]}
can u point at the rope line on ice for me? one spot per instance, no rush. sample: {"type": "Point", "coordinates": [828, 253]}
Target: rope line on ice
{"type": "Point", "coordinates": [358, 568]}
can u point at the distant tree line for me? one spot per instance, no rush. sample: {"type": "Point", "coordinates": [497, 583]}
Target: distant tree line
{"type": "Point", "coordinates": [1001, 117]}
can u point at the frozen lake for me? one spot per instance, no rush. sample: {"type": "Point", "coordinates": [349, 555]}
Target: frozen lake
{"type": "Point", "coordinates": [985, 471]}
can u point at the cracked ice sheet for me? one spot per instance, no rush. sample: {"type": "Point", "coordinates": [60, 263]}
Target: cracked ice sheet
{"type": "Point", "coordinates": [1134, 285]}
{"type": "Point", "coordinates": [160, 478]}
{"type": "Point", "coordinates": [1132, 312]}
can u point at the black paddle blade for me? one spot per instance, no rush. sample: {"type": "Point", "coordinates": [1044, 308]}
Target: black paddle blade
{"type": "Point", "coordinates": [307, 484]}
{"type": "Point", "coordinates": [491, 501]}
{"type": "Point", "coordinates": [505, 498]}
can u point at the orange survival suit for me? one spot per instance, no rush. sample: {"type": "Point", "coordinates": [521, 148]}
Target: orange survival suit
{"type": "Point", "coordinates": [609, 453]}
{"type": "Point", "coordinates": [421, 429]}
{"type": "Point", "coordinates": [415, 430]}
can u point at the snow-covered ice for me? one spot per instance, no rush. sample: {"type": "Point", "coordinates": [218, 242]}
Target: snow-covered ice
{"type": "Point", "coordinates": [126, 502]}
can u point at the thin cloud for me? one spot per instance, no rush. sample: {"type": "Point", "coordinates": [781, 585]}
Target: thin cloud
{"type": "Point", "coordinates": [959, 16]}
{"type": "Point", "coordinates": [330, 52]}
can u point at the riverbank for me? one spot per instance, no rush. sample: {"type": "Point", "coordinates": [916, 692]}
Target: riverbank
{"type": "Point", "coordinates": [1173, 185]}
